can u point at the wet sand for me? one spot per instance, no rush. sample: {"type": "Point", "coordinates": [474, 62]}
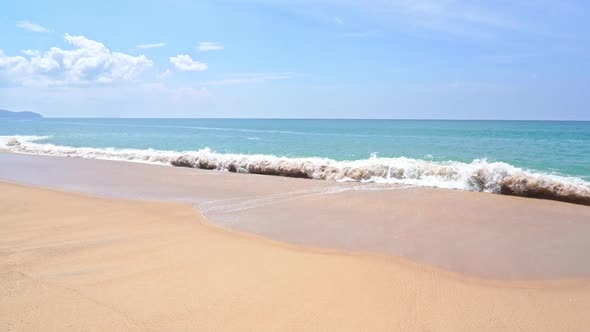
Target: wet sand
{"type": "Point", "coordinates": [483, 235]}
{"type": "Point", "coordinates": [73, 262]}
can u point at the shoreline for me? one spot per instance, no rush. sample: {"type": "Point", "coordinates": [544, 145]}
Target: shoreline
{"type": "Point", "coordinates": [518, 238]}
{"type": "Point", "coordinates": [380, 258]}
{"type": "Point", "coordinates": [203, 221]}
{"type": "Point", "coordinates": [480, 175]}
{"type": "Point", "coordinates": [103, 263]}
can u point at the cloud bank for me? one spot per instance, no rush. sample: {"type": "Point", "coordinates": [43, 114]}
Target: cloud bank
{"type": "Point", "coordinates": [87, 62]}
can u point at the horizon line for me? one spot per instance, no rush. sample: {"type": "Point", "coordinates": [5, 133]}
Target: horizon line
{"type": "Point", "coordinates": [319, 119]}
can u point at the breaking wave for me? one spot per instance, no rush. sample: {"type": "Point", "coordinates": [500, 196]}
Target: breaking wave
{"type": "Point", "coordinates": [479, 175]}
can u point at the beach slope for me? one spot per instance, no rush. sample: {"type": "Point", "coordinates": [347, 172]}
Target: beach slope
{"type": "Point", "coordinates": [72, 262]}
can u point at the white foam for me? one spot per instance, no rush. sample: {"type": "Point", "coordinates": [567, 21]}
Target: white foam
{"type": "Point", "coordinates": [479, 175]}
{"type": "Point", "coordinates": [29, 145]}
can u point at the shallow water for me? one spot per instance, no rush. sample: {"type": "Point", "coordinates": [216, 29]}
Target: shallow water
{"type": "Point", "coordinates": [525, 158]}
{"type": "Point", "coordinates": [559, 147]}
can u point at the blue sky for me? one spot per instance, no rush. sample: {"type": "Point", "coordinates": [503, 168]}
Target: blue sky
{"type": "Point", "coordinates": [445, 59]}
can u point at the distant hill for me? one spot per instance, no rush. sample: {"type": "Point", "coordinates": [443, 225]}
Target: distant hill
{"type": "Point", "coordinates": [4, 114]}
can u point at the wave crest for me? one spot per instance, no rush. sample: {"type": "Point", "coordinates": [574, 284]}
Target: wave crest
{"type": "Point", "coordinates": [479, 175]}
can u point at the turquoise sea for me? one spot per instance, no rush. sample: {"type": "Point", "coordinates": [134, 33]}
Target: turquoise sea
{"type": "Point", "coordinates": [472, 155]}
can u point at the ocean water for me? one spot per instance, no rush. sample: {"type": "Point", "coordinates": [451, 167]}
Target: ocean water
{"type": "Point", "coordinates": [496, 156]}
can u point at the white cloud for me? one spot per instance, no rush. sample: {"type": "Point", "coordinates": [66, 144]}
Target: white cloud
{"type": "Point", "coordinates": [31, 26]}
{"type": "Point", "coordinates": [176, 92]}
{"type": "Point", "coordinates": [457, 17]}
{"type": "Point", "coordinates": [154, 45]}
{"type": "Point", "coordinates": [338, 20]}
{"type": "Point", "coordinates": [184, 62]}
{"type": "Point", "coordinates": [87, 62]}
{"type": "Point", "coordinates": [250, 78]}
{"type": "Point", "coordinates": [210, 46]}
{"type": "Point", "coordinates": [167, 73]}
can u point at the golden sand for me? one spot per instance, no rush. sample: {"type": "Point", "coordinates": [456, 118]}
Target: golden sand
{"type": "Point", "coordinates": [71, 262]}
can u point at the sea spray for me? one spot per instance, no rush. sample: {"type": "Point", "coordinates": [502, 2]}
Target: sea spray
{"type": "Point", "coordinates": [479, 175]}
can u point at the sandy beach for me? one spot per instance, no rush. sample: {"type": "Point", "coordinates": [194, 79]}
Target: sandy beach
{"type": "Point", "coordinates": [308, 165]}
{"type": "Point", "coordinates": [75, 262]}
{"type": "Point", "coordinates": [475, 234]}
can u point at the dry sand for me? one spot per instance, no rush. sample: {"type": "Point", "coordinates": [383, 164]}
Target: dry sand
{"type": "Point", "coordinates": [71, 262]}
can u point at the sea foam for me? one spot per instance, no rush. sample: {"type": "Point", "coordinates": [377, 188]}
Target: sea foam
{"type": "Point", "coordinates": [479, 175]}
